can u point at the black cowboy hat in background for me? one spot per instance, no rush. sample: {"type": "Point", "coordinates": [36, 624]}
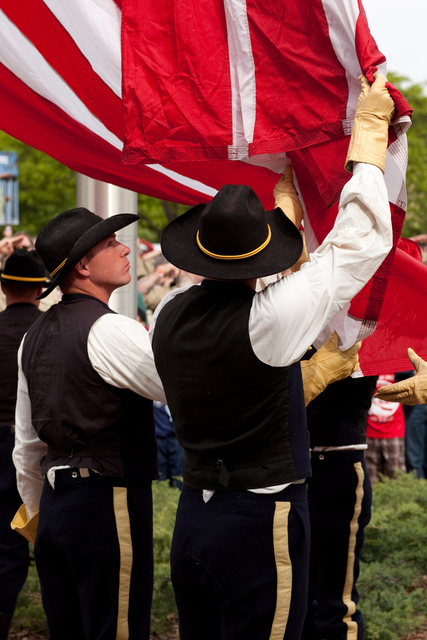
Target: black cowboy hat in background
{"type": "Point", "coordinates": [24, 267]}
{"type": "Point", "coordinates": [68, 237]}
{"type": "Point", "coordinates": [232, 238]}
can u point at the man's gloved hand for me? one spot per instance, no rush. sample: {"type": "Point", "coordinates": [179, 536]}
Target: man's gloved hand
{"type": "Point", "coordinates": [328, 365]}
{"type": "Point", "coordinates": [410, 391]}
{"type": "Point", "coordinates": [287, 199]}
{"type": "Point", "coordinates": [374, 111]}
{"type": "Point", "coordinates": [26, 527]}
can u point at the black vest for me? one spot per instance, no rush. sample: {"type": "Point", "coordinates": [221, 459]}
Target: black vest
{"type": "Point", "coordinates": [338, 416]}
{"type": "Point", "coordinates": [85, 421]}
{"type": "Point", "coordinates": [15, 321]}
{"type": "Point", "coordinates": [241, 422]}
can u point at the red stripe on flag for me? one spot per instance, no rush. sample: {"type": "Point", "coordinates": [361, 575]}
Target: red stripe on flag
{"type": "Point", "coordinates": [400, 324]}
{"type": "Point", "coordinates": [40, 26]}
{"type": "Point", "coordinates": [41, 124]}
{"type": "Point", "coordinates": [301, 87]}
{"type": "Point", "coordinates": [175, 62]}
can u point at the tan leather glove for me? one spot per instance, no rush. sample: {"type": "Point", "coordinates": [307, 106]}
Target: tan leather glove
{"type": "Point", "coordinates": [369, 137]}
{"type": "Point", "coordinates": [410, 391]}
{"type": "Point", "coordinates": [286, 198]}
{"type": "Point", "coordinates": [26, 527]}
{"type": "Point", "coordinates": [303, 257]}
{"type": "Point", "coordinates": [328, 365]}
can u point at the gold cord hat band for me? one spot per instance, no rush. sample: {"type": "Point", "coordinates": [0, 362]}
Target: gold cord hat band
{"type": "Point", "coordinates": [58, 267]}
{"type": "Point", "coordinates": [22, 279]}
{"type": "Point", "coordinates": [238, 257]}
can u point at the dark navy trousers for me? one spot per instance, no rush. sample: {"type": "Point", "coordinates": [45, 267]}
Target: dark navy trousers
{"type": "Point", "coordinates": [240, 564]}
{"type": "Point", "coordinates": [339, 498]}
{"type": "Point", "coordinates": [14, 557]}
{"type": "Point", "coordinates": [94, 556]}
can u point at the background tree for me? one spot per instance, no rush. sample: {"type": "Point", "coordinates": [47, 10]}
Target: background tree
{"type": "Point", "coordinates": [46, 187]}
{"type": "Point", "coordinates": [416, 175]}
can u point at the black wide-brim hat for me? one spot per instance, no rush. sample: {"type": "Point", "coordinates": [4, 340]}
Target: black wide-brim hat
{"type": "Point", "coordinates": [24, 267]}
{"type": "Point", "coordinates": [232, 238]}
{"type": "Point", "coordinates": [67, 238]}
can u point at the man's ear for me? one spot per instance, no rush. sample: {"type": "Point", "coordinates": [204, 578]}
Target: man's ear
{"type": "Point", "coordinates": [81, 267]}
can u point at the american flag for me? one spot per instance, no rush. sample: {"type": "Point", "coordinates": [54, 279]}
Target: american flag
{"type": "Point", "coordinates": [174, 99]}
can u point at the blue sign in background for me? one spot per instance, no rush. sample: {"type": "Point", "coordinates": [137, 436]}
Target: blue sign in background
{"type": "Point", "coordinates": [9, 202]}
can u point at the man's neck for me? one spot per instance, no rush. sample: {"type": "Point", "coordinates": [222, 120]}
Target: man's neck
{"type": "Point", "coordinates": [251, 282]}
{"type": "Point", "coordinates": [89, 290]}
{"type": "Point", "coordinates": [24, 299]}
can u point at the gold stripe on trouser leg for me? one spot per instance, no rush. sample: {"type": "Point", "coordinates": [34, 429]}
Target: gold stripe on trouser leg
{"type": "Point", "coordinates": [284, 570]}
{"type": "Point", "coordinates": [126, 556]}
{"type": "Point", "coordinates": [354, 527]}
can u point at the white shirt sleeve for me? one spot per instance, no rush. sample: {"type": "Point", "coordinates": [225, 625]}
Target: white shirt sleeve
{"type": "Point", "coordinates": [29, 449]}
{"type": "Point", "coordinates": [288, 315]}
{"type": "Point", "coordinates": [120, 351]}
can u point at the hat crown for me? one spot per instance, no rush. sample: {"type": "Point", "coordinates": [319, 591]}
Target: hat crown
{"type": "Point", "coordinates": [59, 235]}
{"type": "Point", "coordinates": [23, 266]}
{"type": "Point", "coordinates": [234, 223]}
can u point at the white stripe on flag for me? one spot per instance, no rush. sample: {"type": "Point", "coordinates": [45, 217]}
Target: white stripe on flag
{"type": "Point", "coordinates": [94, 25]}
{"type": "Point", "coordinates": [242, 75]}
{"type": "Point", "coordinates": [342, 17]}
{"type": "Point", "coordinates": [185, 180]}
{"type": "Point", "coordinates": [21, 58]}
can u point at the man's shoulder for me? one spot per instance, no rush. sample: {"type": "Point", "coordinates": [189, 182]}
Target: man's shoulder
{"type": "Point", "coordinates": [19, 313]}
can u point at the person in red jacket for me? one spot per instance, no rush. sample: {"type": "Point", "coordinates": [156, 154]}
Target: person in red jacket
{"type": "Point", "coordinates": [385, 435]}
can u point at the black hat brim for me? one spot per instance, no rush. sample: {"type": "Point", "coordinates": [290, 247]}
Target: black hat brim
{"type": "Point", "coordinates": [86, 242]}
{"type": "Point", "coordinates": [179, 246]}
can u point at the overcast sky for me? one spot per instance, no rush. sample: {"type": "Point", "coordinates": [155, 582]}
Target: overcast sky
{"type": "Point", "coordinates": [400, 31]}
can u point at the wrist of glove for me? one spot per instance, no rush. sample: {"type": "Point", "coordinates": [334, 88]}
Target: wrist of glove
{"type": "Point", "coordinates": [303, 257]}
{"type": "Point", "coordinates": [328, 365]}
{"type": "Point", "coordinates": [411, 391]}
{"type": "Point", "coordinates": [27, 527]}
{"type": "Point", "coordinates": [286, 197]}
{"type": "Point", "coordinates": [369, 136]}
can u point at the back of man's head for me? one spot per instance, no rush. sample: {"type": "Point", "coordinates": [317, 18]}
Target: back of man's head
{"type": "Point", "coordinates": [23, 277]}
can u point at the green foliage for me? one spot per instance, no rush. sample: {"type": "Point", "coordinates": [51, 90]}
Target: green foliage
{"type": "Point", "coordinates": [416, 175]}
{"type": "Point", "coordinates": [394, 559]}
{"type": "Point", "coordinates": [46, 187]}
{"type": "Point", "coordinates": [156, 214]}
{"type": "Point", "coordinates": [29, 614]}
{"type": "Point", "coordinates": [163, 611]}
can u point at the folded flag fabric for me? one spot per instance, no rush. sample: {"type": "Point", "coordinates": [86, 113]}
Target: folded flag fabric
{"type": "Point", "coordinates": [176, 99]}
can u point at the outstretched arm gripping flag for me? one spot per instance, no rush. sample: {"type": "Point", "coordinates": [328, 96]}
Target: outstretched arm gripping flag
{"type": "Point", "coordinates": [174, 99]}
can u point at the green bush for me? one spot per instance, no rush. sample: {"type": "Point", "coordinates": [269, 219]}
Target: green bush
{"type": "Point", "coordinates": [394, 559]}
{"type": "Point", "coordinates": [163, 611]}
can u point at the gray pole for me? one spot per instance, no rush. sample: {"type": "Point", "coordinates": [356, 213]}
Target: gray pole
{"type": "Point", "coordinates": [106, 200]}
